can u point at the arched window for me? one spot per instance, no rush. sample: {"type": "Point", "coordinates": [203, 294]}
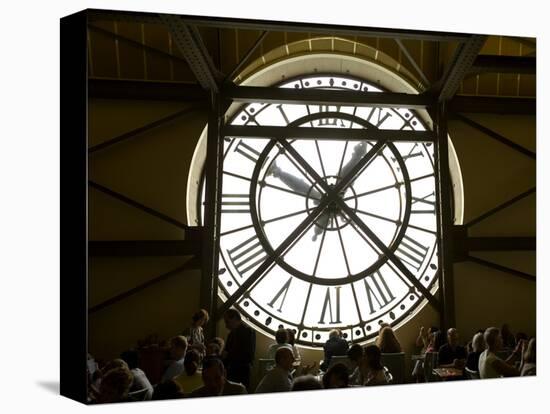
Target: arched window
{"type": "Point", "coordinates": [337, 231]}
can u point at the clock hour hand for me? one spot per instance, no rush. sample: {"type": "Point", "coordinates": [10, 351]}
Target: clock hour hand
{"type": "Point", "coordinates": [320, 225]}
{"type": "Point", "coordinates": [358, 152]}
{"type": "Point", "coordinates": [293, 182]}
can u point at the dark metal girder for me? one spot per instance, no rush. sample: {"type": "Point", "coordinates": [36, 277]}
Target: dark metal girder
{"type": "Point", "coordinates": [326, 97]}
{"type": "Point", "coordinates": [247, 56]}
{"type": "Point", "coordinates": [501, 207]}
{"type": "Point", "coordinates": [190, 264]}
{"type": "Point", "coordinates": [281, 26]}
{"type": "Point", "coordinates": [189, 41]}
{"type": "Point", "coordinates": [138, 131]}
{"type": "Point", "coordinates": [503, 64]}
{"type": "Point", "coordinates": [413, 63]}
{"type": "Point", "coordinates": [504, 269]}
{"type": "Point", "coordinates": [141, 248]}
{"type": "Point", "coordinates": [278, 132]}
{"type": "Point", "coordinates": [145, 90]}
{"type": "Point", "coordinates": [501, 243]}
{"type": "Point", "coordinates": [459, 66]}
{"type": "Point", "coordinates": [496, 136]}
{"type": "Point", "coordinates": [493, 105]}
{"type": "Point", "coordinates": [139, 206]}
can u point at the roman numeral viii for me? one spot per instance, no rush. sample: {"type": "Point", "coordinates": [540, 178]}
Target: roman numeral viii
{"type": "Point", "coordinates": [412, 252]}
{"type": "Point", "coordinates": [247, 255]}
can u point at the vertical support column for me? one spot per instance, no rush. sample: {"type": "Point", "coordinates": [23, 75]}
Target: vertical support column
{"type": "Point", "coordinates": [212, 212]}
{"type": "Point", "coordinates": [74, 207]}
{"type": "Point", "coordinates": [444, 217]}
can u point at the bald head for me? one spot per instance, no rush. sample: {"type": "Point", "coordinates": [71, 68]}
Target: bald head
{"type": "Point", "coordinates": [492, 338]}
{"type": "Point", "coordinates": [452, 337]}
{"type": "Point", "coordinates": [284, 358]}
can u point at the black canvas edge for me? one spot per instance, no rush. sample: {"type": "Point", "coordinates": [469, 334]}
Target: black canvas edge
{"type": "Point", "coordinates": [73, 206]}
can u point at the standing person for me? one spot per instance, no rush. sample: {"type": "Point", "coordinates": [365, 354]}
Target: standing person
{"type": "Point", "coordinates": [335, 346]}
{"type": "Point", "coordinates": [196, 331]}
{"type": "Point", "coordinates": [295, 350]}
{"type": "Point", "coordinates": [490, 365]}
{"type": "Point", "coordinates": [240, 348]}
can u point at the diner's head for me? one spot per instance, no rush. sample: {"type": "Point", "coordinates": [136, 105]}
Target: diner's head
{"type": "Point", "coordinates": [213, 375]}
{"type": "Point", "coordinates": [452, 337]}
{"type": "Point", "coordinates": [382, 326]}
{"type": "Point", "coordinates": [200, 318]}
{"type": "Point", "coordinates": [478, 343]}
{"type": "Point", "coordinates": [530, 353]}
{"type": "Point", "coordinates": [284, 358]}
{"type": "Point", "coordinates": [372, 358]}
{"type": "Point", "coordinates": [291, 336]}
{"type": "Point", "coordinates": [336, 376]}
{"type": "Point", "coordinates": [216, 345]}
{"type": "Point", "coordinates": [115, 363]}
{"type": "Point", "coordinates": [115, 385]}
{"type": "Point", "coordinates": [492, 338]}
{"type": "Point", "coordinates": [167, 390]}
{"type": "Point", "coordinates": [191, 362]}
{"type": "Point", "coordinates": [335, 333]}
{"type": "Point", "coordinates": [232, 319]}
{"type": "Point", "coordinates": [281, 336]}
{"type": "Point", "coordinates": [355, 353]}
{"type": "Point", "coordinates": [178, 347]}
{"type": "Point", "coordinates": [388, 340]}
{"type": "Point", "coordinates": [306, 382]}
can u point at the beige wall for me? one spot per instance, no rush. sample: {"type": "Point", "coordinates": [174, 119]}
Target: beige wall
{"type": "Point", "coordinates": [153, 168]}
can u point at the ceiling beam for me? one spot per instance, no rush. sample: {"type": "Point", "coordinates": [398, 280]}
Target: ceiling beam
{"type": "Point", "coordinates": [493, 105]}
{"type": "Point", "coordinates": [496, 136]}
{"type": "Point", "coordinates": [250, 94]}
{"type": "Point", "coordinates": [278, 132]}
{"type": "Point", "coordinates": [282, 26]}
{"type": "Point", "coordinates": [99, 88]}
{"type": "Point", "coordinates": [461, 62]}
{"type": "Point", "coordinates": [503, 64]}
{"type": "Point", "coordinates": [237, 69]}
{"type": "Point", "coordinates": [141, 248]}
{"type": "Point", "coordinates": [190, 44]}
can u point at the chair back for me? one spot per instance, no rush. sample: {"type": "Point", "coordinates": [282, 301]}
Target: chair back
{"type": "Point", "coordinates": [388, 375]}
{"type": "Point", "coordinates": [430, 362]}
{"type": "Point", "coordinates": [340, 359]}
{"type": "Point", "coordinates": [396, 366]}
{"type": "Point", "coordinates": [471, 374]}
{"type": "Point", "coordinates": [264, 365]}
{"type": "Point", "coordinates": [138, 395]}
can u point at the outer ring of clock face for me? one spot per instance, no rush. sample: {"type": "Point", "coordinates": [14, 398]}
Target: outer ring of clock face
{"type": "Point", "coordinates": [266, 318]}
{"type": "Point", "coordinates": [256, 188]}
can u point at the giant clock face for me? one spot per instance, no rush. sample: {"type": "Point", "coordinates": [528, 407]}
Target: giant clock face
{"type": "Point", "coordinates": [343, 225]}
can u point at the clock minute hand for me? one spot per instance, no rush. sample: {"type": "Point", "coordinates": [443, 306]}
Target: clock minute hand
{"type": "Point", "coordinates": [358, 152]}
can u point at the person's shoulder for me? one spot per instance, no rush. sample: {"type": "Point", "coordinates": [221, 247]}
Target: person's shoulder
{"type": "Point", "coordinates": [234, 388]}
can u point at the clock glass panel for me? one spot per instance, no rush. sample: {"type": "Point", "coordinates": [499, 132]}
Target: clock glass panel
{"type": "Point", "coordinates": [332, 231]}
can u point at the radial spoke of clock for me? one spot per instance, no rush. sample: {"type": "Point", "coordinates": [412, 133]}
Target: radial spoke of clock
{"type": "Point", "coordinates": [271, 220]}
{"type": "Point", "coordinates": [342, 245]}
{"type": "Point", "coordinates": [388, 253]}
{"type": "Point", "coordinates": [366, 213]}
{"type": "Point", "coordinates": [342, 159]}
{"type": "Point", "coordinates": [320, 158]}
{"type": "Point", "coordinates": [348, 268]}
{"type": "Point", "coordinates": [273, 255]}
{"type": "Point", "coordinates": [412, 180]}
{"type": "Point", "coordinates": [376, 190]}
